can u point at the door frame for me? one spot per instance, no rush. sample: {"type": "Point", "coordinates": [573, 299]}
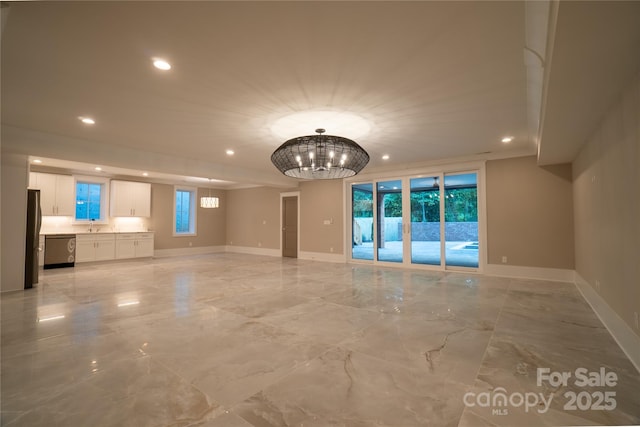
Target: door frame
{"type": "Point", "coordinates": [441, 170]}
{"type": "Point", "coordinates": [376, 237]}
{"type": "Point", "coordinates": [295, 194]}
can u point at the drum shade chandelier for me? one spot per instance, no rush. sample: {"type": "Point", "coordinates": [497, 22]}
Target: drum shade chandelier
{"type": "Point", "coordinates": [209, 202]}
{"type": "Point", "coordinates": [320, 157]}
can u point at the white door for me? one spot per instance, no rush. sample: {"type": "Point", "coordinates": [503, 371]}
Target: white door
{"type": "Point", "coordinates": [125, 249]}
{"type": "Point", "coordinates": [121, 199]}
{"type": "Point", "coordinates": [141, 202]}
{"type": "Point", "coordinates": [64, 195]}
{"type": "Point", "coordinates": [144, 247]}
{"type": "Point", "coordinates": [105, 249]}
{"type": "Point", "coordinates": [85, 250]}
{"type": "Point", "coordinates": [46, 182]}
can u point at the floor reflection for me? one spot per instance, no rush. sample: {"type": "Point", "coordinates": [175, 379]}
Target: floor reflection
{"type": "Point", "coordinates": [230, 339]}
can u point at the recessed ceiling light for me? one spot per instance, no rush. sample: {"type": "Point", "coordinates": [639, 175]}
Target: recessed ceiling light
{"type": "Point", "coordinates": [98, 168]}
{"type": "Point", "coordinates": [161, 64]}
{"type": "Point", "coordinates": [385, 157]}
{"type": "Point", "coordinates": [507, 139]}
{"type": "Point", "coordinates": [37, 161]}
{"type": "Point", "coordinates": [87, 120]}
{"type": "Point", "coordinates": [145, 173]}
{"type": "Point", "coordinates": [230, 152]}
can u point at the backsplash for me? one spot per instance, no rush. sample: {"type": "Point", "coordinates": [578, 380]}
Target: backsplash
{"type": "Point", "coordinates": [65, 224]}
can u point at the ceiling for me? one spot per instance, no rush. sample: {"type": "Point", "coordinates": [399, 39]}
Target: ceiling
{"type": "Point", "coordinates": [595, 55]}
{"type": "Point", "coordinates": [432, 80]}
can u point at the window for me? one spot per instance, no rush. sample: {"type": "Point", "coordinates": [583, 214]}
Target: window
{"type": "Point", "coordinates": [91, 199]}
{"type": "Point", "coordinates": [184, 211]}
{"type": "Point", "coordinates": [87, 201]}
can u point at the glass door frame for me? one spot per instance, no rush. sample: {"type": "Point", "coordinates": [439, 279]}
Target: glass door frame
{"type": "Point", "coordinates": [477, 167]}
{"type": "Point", "coordinates": [442, 224]}
{"type": "Point", "coordinates": [376, 255]}
{"type": "Point", "coordinates": [375, 237]}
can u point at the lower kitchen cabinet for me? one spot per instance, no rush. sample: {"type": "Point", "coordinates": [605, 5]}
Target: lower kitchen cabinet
{"type": "Point", "coordinates": [95, 247]}
{"type": "Point", "coordinates": [134, 245]}
{"type": "Point", "coordinates": [106, 246]}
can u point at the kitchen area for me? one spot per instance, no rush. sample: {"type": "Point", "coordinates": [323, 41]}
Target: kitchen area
{"type": "Point", "coordinates": [76, 219]}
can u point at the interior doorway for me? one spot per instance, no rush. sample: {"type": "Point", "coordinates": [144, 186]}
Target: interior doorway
{"type": "Point", "coordinates": [290, 226]}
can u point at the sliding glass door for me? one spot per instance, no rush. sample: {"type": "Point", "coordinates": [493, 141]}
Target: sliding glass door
{"type": "Point", "coordinates": [425, 220]}
{"type": "Point", "coordinates": [389, 230]}
{"type": "Point", "coordinates": [362, 221]}
{"type": "Point", "coordinates": [429, 220]}
{"type": "Point", "coordinates": [461, 220]}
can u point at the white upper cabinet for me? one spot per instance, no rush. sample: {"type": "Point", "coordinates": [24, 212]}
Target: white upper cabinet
{"type": "Point", "coordinates": [56, 193]}
{"type": "Point", "coordinates": [130, 198]}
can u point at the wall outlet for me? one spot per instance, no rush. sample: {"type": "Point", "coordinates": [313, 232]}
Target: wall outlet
{"type": "Point", "coordinates": [331, 250]}
{"type": "Point", "coordinates": [259, 244]}
{"type": "Point", "coordinates": [597, 284]}
{"type": "Point", "coordinates": [264, 222]}
{"type": "Point", "coordinates": [190, 244]}
{"type": "Point", "coordinates": [327, 222]}
{"type": "Point", "coordinates": [231, 242]}
{"type": "Point", "coordinates": [635, 313]}
{"type": "Point", "coordinates": [504, 259]}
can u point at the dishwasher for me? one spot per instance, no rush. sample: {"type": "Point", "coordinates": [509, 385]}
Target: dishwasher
{"type": "Point", "coordinates": [59, 250]}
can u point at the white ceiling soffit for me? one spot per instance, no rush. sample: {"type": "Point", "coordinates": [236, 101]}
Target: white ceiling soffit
{"type": "Point", "coordinates": [434, 80]}
{"type": "Point", "coordinates": [595, 56]}
{"type": "Point", "coordinates": [81, 156]}
{"type": "Point", "coordinates": [539, 27]}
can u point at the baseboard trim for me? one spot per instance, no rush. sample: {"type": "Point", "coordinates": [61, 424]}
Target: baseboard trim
{"type": "Point", "coordinates": [628, 341]}
{"type": "Point", "coordinates": [321, 256]}
{"type": "Point", "coordinates": [253, 251]}
{"type": "Point", "coordinates": [161, 253]}
{"type": "Point", "coordinates": [538, 273]}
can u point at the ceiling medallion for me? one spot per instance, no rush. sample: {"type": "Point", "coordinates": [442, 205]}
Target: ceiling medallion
{"type": "Point", "coordinates": [320, 157]}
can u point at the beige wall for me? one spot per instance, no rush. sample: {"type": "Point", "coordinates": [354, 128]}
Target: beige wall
{"type": "Point", "coordinates": [319, 201]}
{"type": "Point", "coordinates": [211, 223]}
{"type": "Point", "coordinates": [253, 217]}
{"type": "Point", "coordinates": [607, 207]}
{"type": "Point", "coordinates": [529, 213]}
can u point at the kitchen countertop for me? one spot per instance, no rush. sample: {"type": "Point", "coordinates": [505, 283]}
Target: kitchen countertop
{"type": "Point", "coordinates": [51, 233]}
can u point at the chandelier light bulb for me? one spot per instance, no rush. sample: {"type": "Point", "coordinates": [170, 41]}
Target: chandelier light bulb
{"type": "Point", "coordinates": [161, 64]}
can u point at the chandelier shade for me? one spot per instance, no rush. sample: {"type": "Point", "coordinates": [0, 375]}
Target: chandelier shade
{"type": "Point", "coordinates": [320, 157]}
{"type": "Point", "coordinates": [209, 202]}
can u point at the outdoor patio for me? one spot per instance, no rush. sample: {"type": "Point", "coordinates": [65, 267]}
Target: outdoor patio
{"type": "Point", "coordinates": [458, 254]}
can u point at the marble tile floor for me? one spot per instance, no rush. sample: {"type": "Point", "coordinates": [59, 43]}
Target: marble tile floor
{"type": "Point", "coordinates": [227, 340]}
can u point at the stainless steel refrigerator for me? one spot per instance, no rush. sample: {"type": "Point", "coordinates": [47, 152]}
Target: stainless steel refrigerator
{"type": "Point", "coordinates": [34, 220]}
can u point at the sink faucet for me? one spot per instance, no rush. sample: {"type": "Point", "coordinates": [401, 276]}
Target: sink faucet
{"type": "Point", "coordinates": [91, 226]}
